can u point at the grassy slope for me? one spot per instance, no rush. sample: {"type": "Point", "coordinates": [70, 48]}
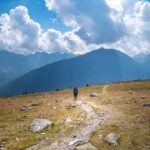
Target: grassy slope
{"type": "Point", "coordinates": [122, 100]}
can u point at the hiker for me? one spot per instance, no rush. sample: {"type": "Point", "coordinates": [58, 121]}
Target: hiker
{"type": "Point", "coordinates": [75, 92]}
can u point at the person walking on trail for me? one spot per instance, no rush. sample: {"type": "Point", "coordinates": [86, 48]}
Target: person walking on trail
{"type": "Point", "coordinates": [75, 92]}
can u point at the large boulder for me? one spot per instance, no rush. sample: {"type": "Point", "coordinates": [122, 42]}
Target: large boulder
{"type": "Point", "coordinates": [87, 146]}
{"type": "Point", "coordinates": [38, 125]}
{"type": "Point", "coordinates": [112, 138]}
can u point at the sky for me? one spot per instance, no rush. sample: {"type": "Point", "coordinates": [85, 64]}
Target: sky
{"type": "Point", "coordinates": [74, 26]}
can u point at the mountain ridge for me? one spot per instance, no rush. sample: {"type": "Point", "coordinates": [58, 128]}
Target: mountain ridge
{"type": "Point", "coordinates": [14, 65]}
{"type": "Point", "coordinates": [98, 66]}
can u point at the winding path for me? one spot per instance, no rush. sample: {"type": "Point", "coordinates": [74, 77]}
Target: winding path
{"type": "Point", "coordinates": [83, 134]}
{"type": "Point", "coordinates": [104, 91]}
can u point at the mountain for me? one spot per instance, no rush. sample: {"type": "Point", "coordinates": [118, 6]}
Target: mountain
{"type": "Point", "coordinates": [103, 65]}
{"type": "Point", "coordinates": [14, 65]}
{"type": "Point", "coordinates": [144, 62]}
{"type": "Point", "coordinates": [140, 58]}
{"type": "Point", "coordinates": [97, 66]}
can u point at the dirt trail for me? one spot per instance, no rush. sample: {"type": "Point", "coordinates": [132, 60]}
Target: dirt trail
{"type": "Point", "coordinates": [83, 134]}
{"type": "Point", "coordinates": [104, 91]}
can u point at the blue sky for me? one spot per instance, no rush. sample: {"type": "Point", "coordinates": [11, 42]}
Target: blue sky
{"type": "Point", "coordinates": [38, 12]}
{"type": "Point", "coordinates": [74, 26]}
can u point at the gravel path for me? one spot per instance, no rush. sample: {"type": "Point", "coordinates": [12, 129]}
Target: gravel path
{"type": "Point", "coordinates": [82, 135]}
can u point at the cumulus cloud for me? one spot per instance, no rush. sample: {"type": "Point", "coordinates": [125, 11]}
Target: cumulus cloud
{"type": "Point", "coordinates": [120, 24]}
{"type": "Point", "coordinates": [20, 34]}
{"type": "Point", "coordinates": [54, 41]}
{"type": "Point", "coordinates": [136, 18]}
{"type": "Point", "coordinates": [91, 19]}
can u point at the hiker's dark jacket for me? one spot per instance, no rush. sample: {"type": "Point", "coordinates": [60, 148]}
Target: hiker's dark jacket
{"type": "Point", "coordinates": [75, 92]}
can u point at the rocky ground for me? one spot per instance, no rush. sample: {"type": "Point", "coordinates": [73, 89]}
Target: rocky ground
{"type": "Point", "coordinates": [112, 116]}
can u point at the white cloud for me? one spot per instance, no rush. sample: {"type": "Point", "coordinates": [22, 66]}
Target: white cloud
{"type": "Point", "coordinates": [20, 34]}
{"type": "Point", "coordinates": [115, 4]}
{"type": "Point", "coordinates": [92, 19]}
{"type": "Point", "coordinates": [55, 41]}
{"type": "Point", "coordinates": [120, 24]}
{"type": "Point", "coordinates": [136, 18]}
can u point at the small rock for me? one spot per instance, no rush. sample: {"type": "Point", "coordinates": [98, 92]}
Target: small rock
{"type": "Point", "coordinates": [38, 125]}
{"type": "Point", "coordinates": [72, 104]}
{"type": "Point", "coordinates": [112, 138]}
{"type": "Point", "coordinates": [78, 122]}
{"type": "Point", "coordinates": [36, 104]}
{"type": "Point", "coordinates": [43, 133]}
{"type": "Point", "coordinates": [94, 95]}
{"type": "Point", "coordinates": [54, 107]}
{"type": "Point", "coordinates": [67, 120]}
{"type": "Point", "coordinates": [17, 139]}
{"type": "Point", "coordinates": [146, 104]}
{"type": "Point", "coordinates": [74, 136]}
{"type": "Point", "coordinates": [87, 146]}
{"type": "Point", "coordinates": [3, 148]}
{"type": "Point", "coordinates": [76, 142]}
{"type": "Point", "coordinates": [24, 108]}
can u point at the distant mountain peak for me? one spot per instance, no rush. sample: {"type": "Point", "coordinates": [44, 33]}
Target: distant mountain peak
{"type": "Point", "coordinates": [99, 66]}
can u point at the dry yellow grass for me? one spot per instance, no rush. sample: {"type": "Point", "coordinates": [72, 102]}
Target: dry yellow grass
{"type": "Point", "coordinates": [14, 124]}
{"type": "Point", "coordinates": [122, 100]}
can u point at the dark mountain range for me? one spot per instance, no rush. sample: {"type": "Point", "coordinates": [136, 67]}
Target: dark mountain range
{"type": "Point", "coordinates": [103, 65]}
{"type": "Point", "coordinates": [14, 65]}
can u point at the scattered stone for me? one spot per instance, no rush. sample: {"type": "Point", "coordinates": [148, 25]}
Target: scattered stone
{"type": "Point", "coordinates": [87, 146]}
{"type": "Point", "coordinates": [112, 138]}
{"type": "Point", "coordinates": [54, 107]}
{"type": "Point", "coordinates": [17, 139]}
{"type": "Point", "coordinates": [3, 148]}
{"type": "Point", "coordinates": [36, 104]}
{"type": "Point", "coordinates": [72, 126]}
{"type": "Point", "coordinates": [67, 120]}
{"type": "Point", "coordinates": [146, 104]}
{"type": "Point", "coordinates": [74, 136]}
{"type": "Point", "coordinates": [83, 135]}
{"type": "Point", "coordinates": [24, 108]}
{"type": "Point", "coordinates": [38, 125]}
{"type": "Point", "coordinates": [76, 142]}
{"type": "Point", "coordinates": [43, 133]}
{"type": "Point", "coordinates": [94, 95]}
{"type": "Point", "coordinates": [77, 122]}
{"type": "Point", "coordinates": [72, 104]}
